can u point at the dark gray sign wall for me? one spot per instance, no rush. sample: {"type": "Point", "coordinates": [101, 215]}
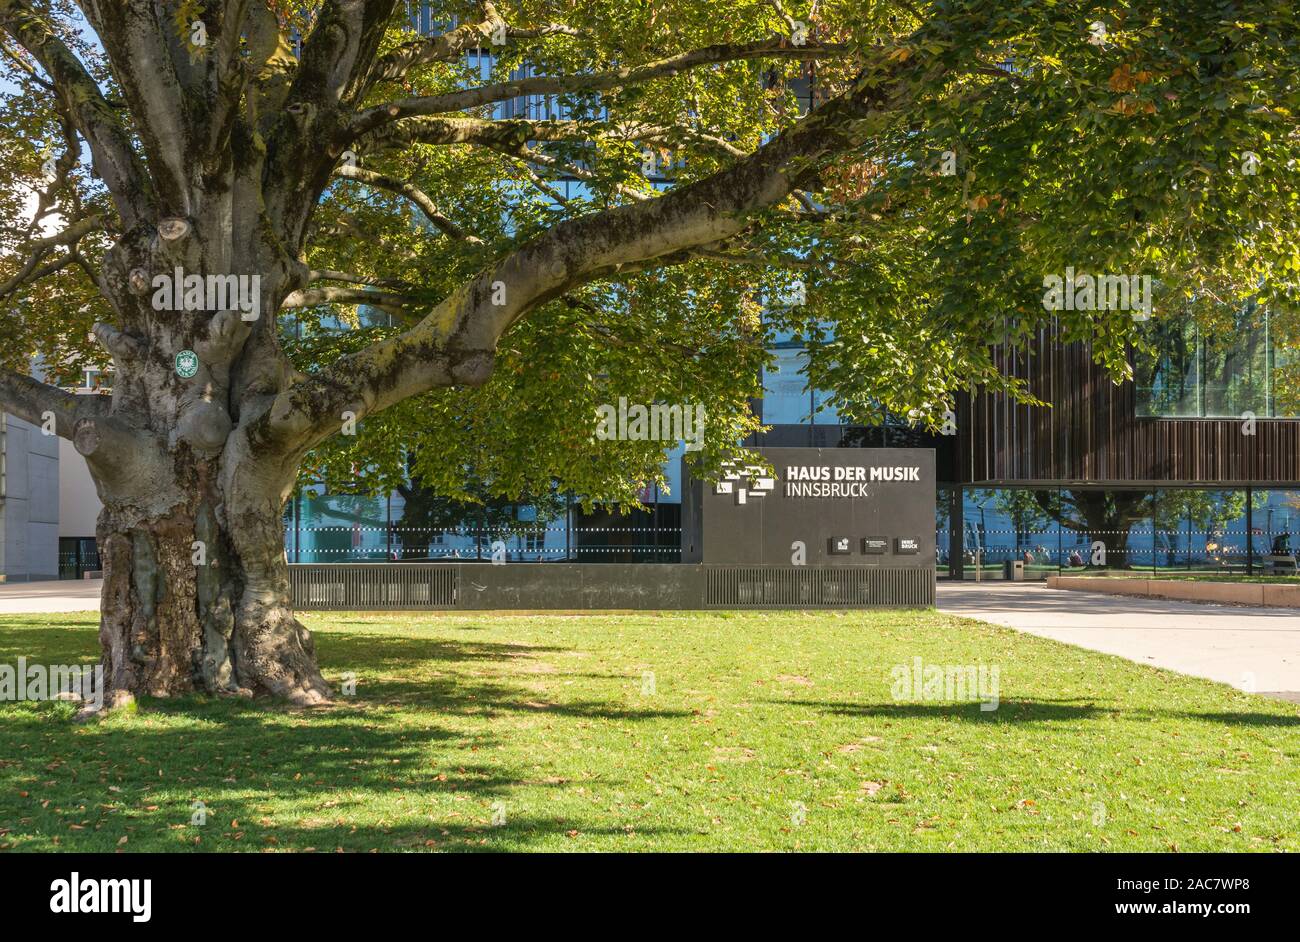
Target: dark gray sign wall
{"type": "Point", "coordinates": [577, 586]}
{"type": "Point", "coordinates": [848, 506]}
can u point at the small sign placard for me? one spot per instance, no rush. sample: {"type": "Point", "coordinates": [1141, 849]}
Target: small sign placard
{"type": "Point", "coordinates": [187, 364]}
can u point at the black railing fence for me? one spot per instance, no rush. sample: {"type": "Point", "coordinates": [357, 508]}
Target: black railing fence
{"type": "Point", "coordinates": [1143, 550]}
{"type": "Point", "coordinates": [361, 543]}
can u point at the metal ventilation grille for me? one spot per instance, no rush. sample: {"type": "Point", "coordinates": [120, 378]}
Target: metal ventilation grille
{"type": "Point", "coordinates": [374, 587]}
{"type": "Point", "coordinates": [762, 587]}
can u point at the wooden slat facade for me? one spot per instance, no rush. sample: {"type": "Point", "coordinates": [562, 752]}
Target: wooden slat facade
{"type": "Point", "coordinates": [1093, 435]}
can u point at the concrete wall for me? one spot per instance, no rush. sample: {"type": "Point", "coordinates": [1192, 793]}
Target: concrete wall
{"type": "Point", "coordinates": [1260, 594]}
{"type": "Point", "coordinates": [594, 586]}
{"type": "Point", "coordinates": [79, 505]}
{"type": "Point", "coordinates": [29, 510]}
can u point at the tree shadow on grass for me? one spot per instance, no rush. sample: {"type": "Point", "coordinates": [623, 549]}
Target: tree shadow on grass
{"type": "Point", "coordinates": [1034, 711]}
{"type": "Point", "coordinates": [388, 651]}
{"type": "Point", "coordinates": [1237, 719]}
{"type": "Point", "coordinates": [1018, 711]}
{"type": "Point", "coordinates": [517, 833]}
{"type": "Point", "coordinates": [449, 693]}
{"type": "Point", "coordinates": [246, 769]}
{"type": "Point", "coordinates": [393, 769]}
{"type": "Point", "coordinates": [388, 620]}
{"type": "Point", "coordinates": [453, 697]}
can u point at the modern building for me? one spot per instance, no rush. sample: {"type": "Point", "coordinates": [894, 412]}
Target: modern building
{"type": "Point", "coordinates": [79, 508]}
{"type": "Point", "coordinates": [29, 501]}
{"type": "Point", "coordinates": [1192, 465]}
{"type": "Point", "coordinates": [51, 507]}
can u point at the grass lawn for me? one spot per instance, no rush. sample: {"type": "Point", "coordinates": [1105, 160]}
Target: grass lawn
{"type": "Point", "coordinates": [757, 721]}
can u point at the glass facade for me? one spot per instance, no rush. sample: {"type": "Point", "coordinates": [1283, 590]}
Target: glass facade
{"type": "Point", "coordinates": [1192, 373]}
{"type": "Point", "coordinates": [1275, 531]}
{"type": "Point", "coordinates": [1166, 532]}
{"type": "Point", "coordinates": [411, 525]}
{"type": "Point", "coordinates": [787, 400]}
{"type": "Point", "coordinates": [321, 528]}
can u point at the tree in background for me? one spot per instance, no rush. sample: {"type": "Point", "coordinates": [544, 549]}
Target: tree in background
{"type": "Point", "coordinates": [427, 514]}
{"type": "Point", "coordinates": [903, 174]}
{"type": "Point", "coordinates": [1024, 512]}
{"type": "Point", "coordinates": [1095, 515]}
{"type": "Point", "coordinates": [1208, 514]}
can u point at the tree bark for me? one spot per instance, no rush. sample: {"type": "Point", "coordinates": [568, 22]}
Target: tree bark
{"type": "Point", "coordinates": [196, 587]}
{"type": "Point", "coordinates": [196, 595]}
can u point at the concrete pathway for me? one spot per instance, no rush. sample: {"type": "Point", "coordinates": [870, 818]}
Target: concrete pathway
{"type": "Point", "coordinates": [65, 595]}
{"type": "Point", "coordinates": [1256, 649]}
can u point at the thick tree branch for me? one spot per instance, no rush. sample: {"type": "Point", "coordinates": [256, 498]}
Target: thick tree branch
{"type": "Point", "coordinates": [484, 132]}
{"type": "Point", "coordinates": [412, 193]}
{"type": "Point", "coordinates": [310, 297]}
{"type": "Point", "coordinates": [228, 73]}
{"type": "Point", "coordinates": [305, 140]}
{"type": "Point", "coordinates": [758, 259]}
{"type": "Point", "coordinates": [328, 275]}
{"type": "Point", "coordinates": [372, 118]}
{"type": "Point", "coordinates": [339, 52]}
{"type": "Point", "coordinates": [75, 231]}
{"type": "Point", "coordinates": [36, 402]}
{"type": "Point", "coordinates": [450, 46]}
{"type": "Point", "coordinates": [115, 162]}
{"type": "Point", "coordinates": [509, 134]}
{"type": "Point", "coordinates": [143, 52]}
{"type": "Point", "coordinates": [456, 342]}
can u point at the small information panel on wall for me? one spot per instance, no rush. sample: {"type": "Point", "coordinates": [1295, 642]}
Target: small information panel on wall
{"type": "Point", "coordinates": [816, 507]}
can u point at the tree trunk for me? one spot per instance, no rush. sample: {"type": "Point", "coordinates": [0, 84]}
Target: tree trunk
{"type": "Point", "coordinates": [1109, 517]}
{"type": "Point", "coordinates": [1117, 546]}
{"type": "Point", "coordinates": [196, 587]}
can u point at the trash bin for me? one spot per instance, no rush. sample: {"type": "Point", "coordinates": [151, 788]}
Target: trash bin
{"type": "Point", "coordinates": [1014, 570]}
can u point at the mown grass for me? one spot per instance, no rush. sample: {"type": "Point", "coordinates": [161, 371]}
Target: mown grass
{"type": "Point", "coordinates": [764, 731]}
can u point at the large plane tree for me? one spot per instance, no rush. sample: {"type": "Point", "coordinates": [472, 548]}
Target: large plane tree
{"type": "Point", "coordinates": [557, 203]}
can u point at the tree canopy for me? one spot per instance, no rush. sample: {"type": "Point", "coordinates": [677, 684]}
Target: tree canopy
{"type": "Point", "coordinates": [942, 158]}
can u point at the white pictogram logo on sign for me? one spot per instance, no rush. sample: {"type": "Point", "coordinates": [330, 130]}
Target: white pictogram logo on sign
{"type": "Point", "coordinates": [745, 482]}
